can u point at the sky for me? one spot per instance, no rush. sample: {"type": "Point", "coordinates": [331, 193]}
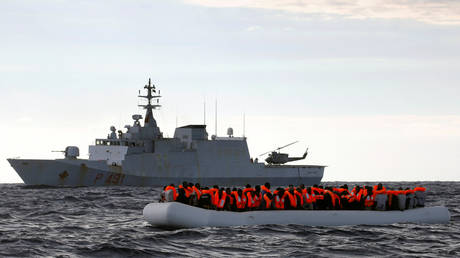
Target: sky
{"type": "Point", "coordinates": [372, 87]}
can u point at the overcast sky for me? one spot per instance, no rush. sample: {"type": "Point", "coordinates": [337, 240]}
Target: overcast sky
{"type": "Point", "coordinates": [371, 87]}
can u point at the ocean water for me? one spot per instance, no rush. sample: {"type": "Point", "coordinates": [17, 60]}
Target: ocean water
{"type": "Point", "coordinates": [107, 222]}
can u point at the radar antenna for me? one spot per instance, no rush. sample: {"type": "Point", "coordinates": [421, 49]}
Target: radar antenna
{"type": "Point", "coordinates": [151, 95]}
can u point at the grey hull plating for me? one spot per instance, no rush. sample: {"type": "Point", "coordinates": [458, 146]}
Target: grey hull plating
{"type": "Point", "coordinates": [96, 173]}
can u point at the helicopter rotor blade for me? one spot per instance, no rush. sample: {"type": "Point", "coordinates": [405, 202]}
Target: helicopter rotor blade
{"type": "Point", "coordinates": [277, 149]}
{"type": "Point", "coordinates": [264, 153]}
{"type": "Point", "coordinates": [287, 145]}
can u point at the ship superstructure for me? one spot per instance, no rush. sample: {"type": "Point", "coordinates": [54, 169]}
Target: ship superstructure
{"type": "Point", "coordinates": [142, 156]}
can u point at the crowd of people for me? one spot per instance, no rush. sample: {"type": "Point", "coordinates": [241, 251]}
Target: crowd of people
{"type": "Point", "coordinates": [262, 197]}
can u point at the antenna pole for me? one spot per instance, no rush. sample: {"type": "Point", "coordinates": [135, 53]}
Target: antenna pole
{"type": "Point", "coordinates": [216, 119]}
{"type": "Point", "coordinates": [204, 112]}
{"type": "Point", "coordinates": [151, 95]}
{"type": "Point", "coordinates": [244, 125]}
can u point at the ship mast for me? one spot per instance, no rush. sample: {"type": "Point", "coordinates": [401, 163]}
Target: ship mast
{"type": "Point", "coordinates": [151, 105]}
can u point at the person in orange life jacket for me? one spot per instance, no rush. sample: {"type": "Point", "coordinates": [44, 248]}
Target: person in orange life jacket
{"type": "Point", "coordinates": [355, 201]}
{"type": "Point", "coordinates": [299, 197]}
{"type": "Point", "coordinates": [234, 194]}
{"type": "Point", "coordinates": [309, 199]}
{"type": "Point", "coordinates": [265, 189]}
{"type": "Point", "coordinates": [257, 197]}
{"type": "Point", "coordinates": [379, 187]}
{"type": "Point", "coordinates": [213, 192]}
{"type": "Point", "coordinates": [410, 201]}
{"type": "Point", "coordinates": [392, 203]}
{"type": "Point", "coordinates": [220, 199]}
{"type": "Point", "coordinates": [241, 200]}
{"type": "Point", "coordinates": [248, 193]}
{"type": "Point", "coordinates": [290, 200]}
{"type": "Point", "coordinates": [319, 196]}
{"type": "Point", "coordinates": [344, 195]}
{"type": "Point", "coordinates": [399, 200]}
{"type": "Point", "coordinates": [337, 204]}
{"type": "Point", "coordinates": [381, 198]}
{"type": "Point", "coordinates": [248, 189]}
{"type": "Point", "coordinates": [369, 200]}
{"type": "Point", "coordinates": [196, 189]}
{"type": "Point", "coordinates": [267, 202]}
{"type": "Point", "coordinates": [214, 189]}
{"type": "Point", "coordinates": [181, 197]}
{"type": "Point", "coordinates": [205, 199]}
{"type": "Point", "coordinates": [302, 189]}
{"type": "Point", "coordinates": [173, 191]}
{"type": "Point", "coordinates": [251, 202]}
{"type": "Point", "coordinates": [279, 199]}
{"type": "Point", "coordinates": [329, 199]}
{"type": "Point", "coordinates": [193, 196]}
{"type": "Point", "coordinates": [215, 198]}
{"type": "Point", "coordinates": [187, 188]}
{"type": "Point", "coordinates": [228, 200]}
{"type": "Point", "coordinates": [343, 190]}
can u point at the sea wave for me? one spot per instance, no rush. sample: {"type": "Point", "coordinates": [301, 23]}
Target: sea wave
{"type": "Point", "coordinates": [107, 222]}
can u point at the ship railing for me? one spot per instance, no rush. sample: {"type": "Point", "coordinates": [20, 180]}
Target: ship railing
{"type": "Point", "coordinates": [230, 138]}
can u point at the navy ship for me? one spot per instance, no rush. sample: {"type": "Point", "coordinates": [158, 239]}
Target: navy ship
{"type": "Point", "coordinates": [142, 156]}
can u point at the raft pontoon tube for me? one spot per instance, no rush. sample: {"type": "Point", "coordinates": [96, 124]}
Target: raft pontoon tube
{"type": "Point", "coordinates": [178, 215]}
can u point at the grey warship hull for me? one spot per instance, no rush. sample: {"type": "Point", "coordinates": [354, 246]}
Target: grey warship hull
{"type": "Point", "coordinates": [141, 156]}
{"type": "Point", "coordinates": [97, 173]}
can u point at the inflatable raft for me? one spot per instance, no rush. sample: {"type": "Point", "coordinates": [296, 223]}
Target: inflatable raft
{"type": "Point", "coordinates": [178, 215]}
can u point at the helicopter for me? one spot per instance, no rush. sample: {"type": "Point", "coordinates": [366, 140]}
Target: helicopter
{"type": "Point", "coordinates": [277, 158]}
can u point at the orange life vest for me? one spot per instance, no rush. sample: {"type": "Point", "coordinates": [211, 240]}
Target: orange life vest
{"type": "Point", "coordinates": [213, 192]}
{"type": "Point", "coordinates": [220, 202]}
{"type": "Point", "coordinates": [245, 190]}
{"type": "Point", "coordinates": [174, 191]}
{"type": "Point", "coordinates": [240, 201]}
{"type": "Point", "coordinates": [188, 190]}
{"type": "Point", "coordinates": [390, 194]}
{"type": "Point", "coordinates": [251, 201]}
{"type": "Point", "coordinates": [292, 199]}
{"type": "Point", "coordinates": [332, 196]}
{"type": "Point", "coordinates": [279, 202]}
{"type": "Point", "coordinates": [257, 200]}
{"type": "Point", "coordinates": [376, 186]}
{"type": "Point", "coordinates": [419, 189]}
{"type": "Point", "coordinates": [299, 197]}
{"type": "Point", "coordinates": [197, 192]}
{"type": "Point", "coordinates": [409, 191]}
{"type": "Point", "coordinates": [319, 193]}
{"type": "Point", "coordinates": [357, 195]}
{"type": "Point", "coordinates": [383, 191]}
{"type": "Point", "coordinates": [265, 189]}
{"type": "Point", "coordinates": [309, 198]}
{"type": "Point", "coordinates": [369, 201]}
{"type": "Point", "coordinates": [268, 202]}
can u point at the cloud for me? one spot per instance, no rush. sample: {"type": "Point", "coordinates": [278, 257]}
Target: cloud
{"type": "Point", "coordinates": [443, 12]}
{"type": "Point", "coordinates": [253, 28]}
